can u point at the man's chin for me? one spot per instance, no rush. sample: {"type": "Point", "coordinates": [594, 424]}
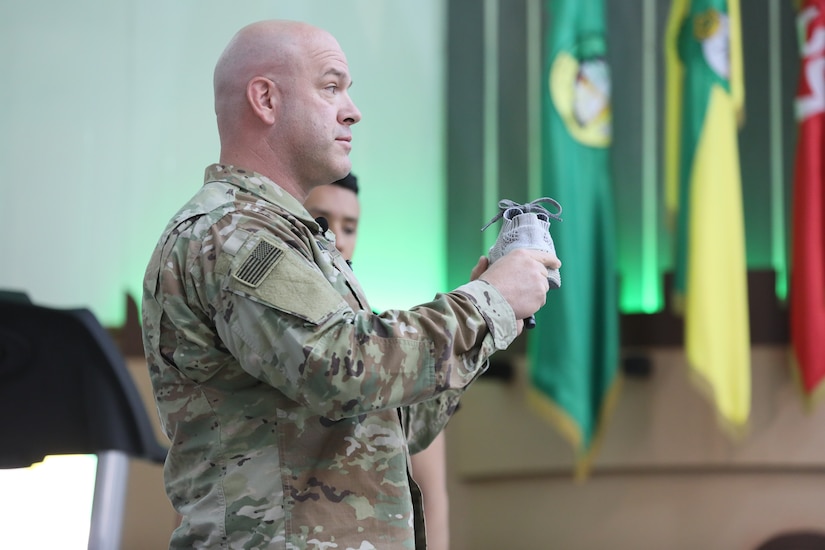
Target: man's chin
{"type": "Point", "coordinates": [344, 168]}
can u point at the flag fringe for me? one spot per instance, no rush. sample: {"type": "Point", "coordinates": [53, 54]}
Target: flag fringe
{"type": "Point", "coordinates": [547, 408]}
{"type": "Point", "coordinates": [677, 303]}
{"type": "Point", "coordinates": [736, 431]}
{"type": "Point", "coordinates": [810, 399]}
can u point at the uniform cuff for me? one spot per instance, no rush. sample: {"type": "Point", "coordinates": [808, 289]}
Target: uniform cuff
{"type": "Point", "coordinates": [497, 313]}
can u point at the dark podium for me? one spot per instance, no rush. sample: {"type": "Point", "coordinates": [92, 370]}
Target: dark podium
{"type": "Point", "coordinates": [65, 389]}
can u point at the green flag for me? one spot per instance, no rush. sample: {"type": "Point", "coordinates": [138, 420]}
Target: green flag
{"type": "Point", "coordinates": [574, 350]}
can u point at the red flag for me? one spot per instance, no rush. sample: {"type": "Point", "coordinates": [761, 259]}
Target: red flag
{"type": "Point", "coordinates": [807, 292]}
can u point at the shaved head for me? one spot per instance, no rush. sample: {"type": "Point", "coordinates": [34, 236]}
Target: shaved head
{"type": "Point", "coordinates": [270, 77]}
{"type": "Point", "coordinates": [265, 47]}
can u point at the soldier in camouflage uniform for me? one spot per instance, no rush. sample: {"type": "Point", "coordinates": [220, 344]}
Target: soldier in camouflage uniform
{"type": "Point", "coordinates": [283, 395]}
{"type": "Point", "coordinates": [338, 204]}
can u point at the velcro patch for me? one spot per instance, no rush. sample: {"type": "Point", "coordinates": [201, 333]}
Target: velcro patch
{"type": "Point", "coordinates": [270, 273]}
{"type": "Point", "coordinates": [258, 264]}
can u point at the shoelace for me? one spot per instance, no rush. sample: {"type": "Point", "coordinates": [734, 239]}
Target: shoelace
{"type": "Point", "coordinates": [533, 206]}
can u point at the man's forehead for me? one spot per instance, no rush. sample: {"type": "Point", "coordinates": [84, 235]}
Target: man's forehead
{"type": "Point", "coordinates": [330, 59]}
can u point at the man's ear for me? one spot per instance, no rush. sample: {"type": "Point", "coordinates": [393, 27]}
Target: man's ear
{"type": "Point", "coordinates": [263, 98]}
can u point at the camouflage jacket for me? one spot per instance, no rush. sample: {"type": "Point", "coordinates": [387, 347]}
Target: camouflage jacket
{"type": "Point", "coordinates": [280, 389]}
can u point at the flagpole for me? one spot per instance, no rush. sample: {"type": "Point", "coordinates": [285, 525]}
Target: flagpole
{"type": "Point", "coordinates": [779, 254]}
{"type": "Point", "coordinates": [491, 127]}
{"type": "Point", "coordinates": [534, 75]}
{"type": "Point", "coordinates": [651, 299]}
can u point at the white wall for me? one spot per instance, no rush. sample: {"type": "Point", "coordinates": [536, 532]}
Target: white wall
{"type": "Point", "coordinates": [106, 125]}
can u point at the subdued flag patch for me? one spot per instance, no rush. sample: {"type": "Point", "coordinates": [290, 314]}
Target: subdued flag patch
{"type": "Point", "coordinates": [259, 263]}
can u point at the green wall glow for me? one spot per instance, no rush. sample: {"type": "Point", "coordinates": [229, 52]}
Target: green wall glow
{"type": "Point", "coordinates": [108, 124]}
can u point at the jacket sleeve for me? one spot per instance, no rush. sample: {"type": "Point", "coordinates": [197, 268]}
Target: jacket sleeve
{"type": "Point", "coordinates": [425, 420]}
{"type": "Point", "coordinates": [289, 327]}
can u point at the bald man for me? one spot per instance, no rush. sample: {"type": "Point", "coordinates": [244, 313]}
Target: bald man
{"type": "Point", "coordinates": [283, 395]}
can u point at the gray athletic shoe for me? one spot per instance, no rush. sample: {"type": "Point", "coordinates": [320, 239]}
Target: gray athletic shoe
{"type": "Point", "coordinates": [525, 226]}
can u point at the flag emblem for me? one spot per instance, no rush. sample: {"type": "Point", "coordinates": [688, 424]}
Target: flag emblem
{"type": "Point", "coordinates": [712, 30]}
{"type": "Point", "coordinates": [581, 95]}
{"type": "Point", "coordinates": [259, 263]}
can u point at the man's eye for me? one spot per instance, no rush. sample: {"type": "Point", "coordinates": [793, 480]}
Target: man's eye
{"type": "Point", "coordinates": [332, 88]}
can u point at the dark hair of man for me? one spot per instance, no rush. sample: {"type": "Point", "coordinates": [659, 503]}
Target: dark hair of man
{"type": "Point", "coordinates": [348, 182]}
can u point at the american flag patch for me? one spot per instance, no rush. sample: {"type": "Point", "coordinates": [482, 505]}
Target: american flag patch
{"type": "Point", "coordinates": [259, 263]}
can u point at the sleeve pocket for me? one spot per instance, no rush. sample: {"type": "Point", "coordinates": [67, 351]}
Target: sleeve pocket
{"type": "Point", "coordinates": [269, 272]}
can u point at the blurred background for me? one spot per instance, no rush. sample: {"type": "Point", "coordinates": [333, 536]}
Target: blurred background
{"type": "Point", "coordinates": [106, 126]}
{"type": "Point", "coordinates": [108, 122]}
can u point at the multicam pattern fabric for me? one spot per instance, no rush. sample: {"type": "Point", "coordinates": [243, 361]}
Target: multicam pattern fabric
{"type": "Point", "coordinates": [284, 396]}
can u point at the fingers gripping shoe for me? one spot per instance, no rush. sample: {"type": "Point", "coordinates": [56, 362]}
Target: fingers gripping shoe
{"type": "Point", "coordinates": [526, 226]}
